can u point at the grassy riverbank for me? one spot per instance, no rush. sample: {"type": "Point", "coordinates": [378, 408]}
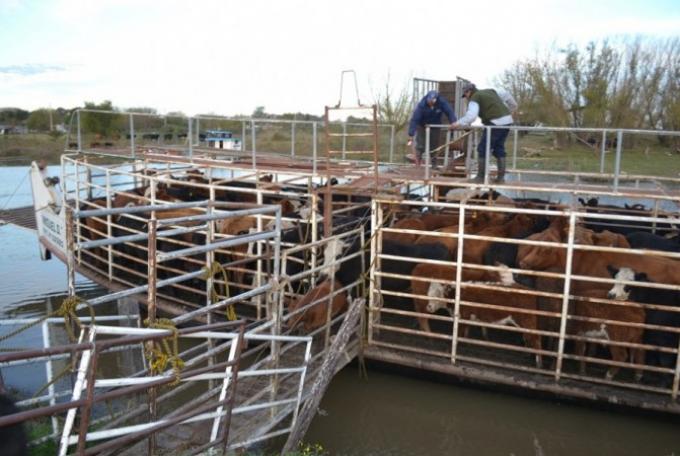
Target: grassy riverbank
{"type": "Point", "coordinates": [22, 149]}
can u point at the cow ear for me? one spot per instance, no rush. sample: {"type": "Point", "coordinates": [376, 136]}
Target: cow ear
{"type": "Point", "coordinates": [612, 270]}
{"type": "Point", "coordinates": [641, 277]}
{"type": "Point", "coordinates": [582, 201]}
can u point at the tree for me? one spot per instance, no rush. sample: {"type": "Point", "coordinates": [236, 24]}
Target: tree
{"type": "Point", "coordinates": [394, 105]}
{"type": "Point", "coordinates": [97, 122]}
{"type": "Point", "coordinates": [259, 113]}
{"type": "Point", "coordinates": [39, 120]}
{"type": "Point", "coordinates": [13, 116]}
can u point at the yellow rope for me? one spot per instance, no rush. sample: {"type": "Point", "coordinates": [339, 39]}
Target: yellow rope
{"type": "Point", "coordinates": [210, 272]}
{"type": "Point", "coordinates": [159, 357]}
{"type": "Point", "coordinates": [67, 310]}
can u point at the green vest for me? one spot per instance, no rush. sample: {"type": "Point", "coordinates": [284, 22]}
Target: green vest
{"type": "Point", "coordinates": [490, 105]}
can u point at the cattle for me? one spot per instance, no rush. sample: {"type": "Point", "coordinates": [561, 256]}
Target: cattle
{"type": "Point", "coordinates": [591, 263]}
{"type": "Point", "coordinates": [626, 227]}
{"type": "Point", "coordinates": [425, 274]}
{"type": "Point", "coordinates": [350, 270]}
{"type": "Point", "coordinates": [666, 318]}
{"type": "Point", "coordinates": [519, 306]}
{"type": "Point", "coordinates": [610, 322]}
{"type": "Point", "coordinates": [405, 224]}
{"type": "Point", "coordinates": [645, 240]}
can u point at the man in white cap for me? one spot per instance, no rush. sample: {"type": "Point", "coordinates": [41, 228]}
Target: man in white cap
{"type": "Point", "coordinates": [495, 108]}
{"type": "Point", "coordinates": [428, 112]}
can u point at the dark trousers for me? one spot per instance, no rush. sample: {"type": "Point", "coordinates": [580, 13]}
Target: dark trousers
{"type": "Point", "coordinates": [498, 137]}
{"type": "Point", "coordinates": [420, 140]}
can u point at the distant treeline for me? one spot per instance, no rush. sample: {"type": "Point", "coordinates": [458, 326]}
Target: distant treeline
{"type": "Point", "coordinates": [622, 84]}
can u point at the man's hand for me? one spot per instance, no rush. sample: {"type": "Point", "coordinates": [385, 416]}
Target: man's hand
{"type": "Point", "coordinates": [454, 126]}
{"type": "Point", "coordinates": [410, 141]}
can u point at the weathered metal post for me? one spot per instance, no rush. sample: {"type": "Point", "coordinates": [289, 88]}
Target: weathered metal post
{"type": "Point", "coordinates": [486, 156]}
{"type": "Point", "coordinates": [392, 132]}
{"type": "Point", "coordinates": [254, 143]}
{"type": "Point", "coordinates": [459, 264]}
{"type": "Point", "coordinates": [565, 296]}
{"type": "Point", "coordinates": [617, 162]}
{"type": "Point", "coordinates": [132, 137]}
{"type": "Point", "coordinates": [603, 147]}
{"type": "Point", "coordinates": [151, 307]}
{"type": "Point", "coordinates": [314, 148]}
{"type": "Point", "coordinates": [427, 152]}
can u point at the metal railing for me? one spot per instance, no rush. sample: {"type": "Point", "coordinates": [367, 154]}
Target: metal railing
{"type": "Point", "coordinates": [573, 307]}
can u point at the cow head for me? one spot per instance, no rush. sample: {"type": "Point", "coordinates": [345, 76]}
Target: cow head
{"type": "Point", "coordinates": [621, 291]}
{"type": "Point", "coordinates": [540, 257]}
{"type": "Point", "coordinates": [436, 291]}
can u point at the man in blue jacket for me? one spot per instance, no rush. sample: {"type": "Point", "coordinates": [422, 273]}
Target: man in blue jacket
{"type": "Point", "coordinates": [428, 112]}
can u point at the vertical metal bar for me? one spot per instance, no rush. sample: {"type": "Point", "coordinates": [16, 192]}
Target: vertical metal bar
{"type": "Point", "coordinates": [565, 296]}
{"type": "Point", "coordinates": [109, 228]}
{"type": "Point", "coordinates": [209, 259]}
{"type": "Point", "coordinates": [243, 136]}
{"type": "Point", "coordinates": [292, 139]}
{"type": "Point", "coordinates": [327, 198]}
{"type": "Point", "coordinates": [603, 147]}
{"type": "Point", "coordinates": [655, 214]}
{"type": "Point", "coordinates": [448, 148]}
{"type": "Point", "coordinates": [223, 391]}
{"type": "Point", "coordinates": [258, 263]}
{"type": "Point", "coordinates": [314, 148]}
{"type": "Point", "coordinates": [70, 257]}
{"type": "Point", "coordinates": [88, 179]}
{"type": "Point", "coordinates": [132, 137]}
{"type": "Point", "coordinates": [80, 136]}
{"type": "Point", "coordinates": [77, 391]}
{"type": "Point", "coordinates": [373, 300]}
{"type": "Point", "coordinates": [375, 145]}
{"type": "Point", "coordinates": [617, 162]}
{"type": "Point", "coordinates": [459, 272]}
{"type": "Point", "coordinates": [392, 131]}
{"type": "Point", "coordinates": [253, 142]}
{"type": "Point", "coordinates": [676, 376]}
{"type": "Point", "coordinates": [486, 156]}
{"type": "Point", "coordinates": [427, 152]}
{"type": "Point", "coordinates": [315, 232]}
{"type": "Point", "coordinates": [344, 139]}
{"type": "Point", "coordinates": [49, 372]}
{"type": "Point", "coordinates": [515, 140]}
{"type": "Point", "coordinates": [86, 409]}
{"type": "Point", "coordinates": [190, 137]}
{"type": "Point", "coordinates": [76, 223]}
{"type": "Point", "coordinates": [151, 306]}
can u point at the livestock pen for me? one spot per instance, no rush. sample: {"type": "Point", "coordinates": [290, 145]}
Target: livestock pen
{"type": "Point", "coordinates": [456, 274]}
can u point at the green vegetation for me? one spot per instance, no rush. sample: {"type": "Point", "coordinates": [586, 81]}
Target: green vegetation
{"type": "Point", "coordinates": [22, 149]}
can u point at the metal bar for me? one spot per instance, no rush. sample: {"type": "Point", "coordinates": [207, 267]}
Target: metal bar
{"type": "Point", "coordinates": [190, 138]}
{"type": "Point", "coordinates": [392, 131]}
{"type": "Point", "coordinates": [565, 296]}
{"type": "Point", "coordinates": [133, 152]}
{"type": "Point", "coordinates": [236, 240]}
{"type": "Point", "coordinates": [135, 237]}
{"type": "Point", "coordinates": [219, 215]}
{"type": "Point", "coordinates": [427, 152]}
{"type": "Point", "coordinates": [603, 147]}
{"type": "Point", "coordinates": [254, 143]}
{"type": "Point", "coordinates": [136, 209]}
{"type": "Point", "coordinates": [487, 159]}
{"type": "Point", "coordinates": [514, 148]}
{"type": "Point", "coordinates": [79, 133]}
{"type": "Point", "coordinates": [617, 162]}
{"type": "Point", "coordinates": [49, 370]}
{"type": "Point", "coordinates": [459, 264]}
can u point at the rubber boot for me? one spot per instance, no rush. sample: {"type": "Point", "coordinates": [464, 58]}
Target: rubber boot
{"type": "Point", "coordinates": [481, 168]}
{"type": "Point", "coordinates": [500, 177]}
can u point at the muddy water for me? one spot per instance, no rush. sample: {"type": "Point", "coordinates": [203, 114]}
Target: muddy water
{"type": "Point", "coordinates": [384, 414]}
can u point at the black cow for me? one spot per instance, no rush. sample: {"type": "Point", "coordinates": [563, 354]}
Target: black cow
{"type": "Point", "coordinates": [666, 318]}
{"type": "Point", "coordinates": [645, 240]}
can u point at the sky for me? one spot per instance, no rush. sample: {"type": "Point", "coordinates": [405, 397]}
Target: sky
{"type": "Point", "coordinates": [227, 57]}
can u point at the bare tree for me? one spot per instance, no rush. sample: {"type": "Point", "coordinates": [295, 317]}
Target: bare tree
{"type": "Point", "coordinates": [394, 105]}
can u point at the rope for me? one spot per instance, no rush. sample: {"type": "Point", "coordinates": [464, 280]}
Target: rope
{"type": "Point", "coordinates": [159, 357]}
{"type": "Point", "coordinates": [209, 273]}
{"type": "Point", "coordinates": [67, 310]}
{"type": "Point", "coordinates": [14, 192]}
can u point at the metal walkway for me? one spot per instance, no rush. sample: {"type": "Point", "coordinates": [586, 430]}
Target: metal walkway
{"type": "Point", "coordinates": [23, 217]}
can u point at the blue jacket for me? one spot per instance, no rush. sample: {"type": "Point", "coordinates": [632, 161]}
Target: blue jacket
{"type": "Point", "coordinates": [424, 115]}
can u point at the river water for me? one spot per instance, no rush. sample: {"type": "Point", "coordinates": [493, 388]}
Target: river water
{"type": "Point", "coordinates": [384, 414]}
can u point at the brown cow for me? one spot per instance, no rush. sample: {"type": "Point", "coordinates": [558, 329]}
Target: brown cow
{"type": "Point", "coordinates": [604, 328]}
{"type": "Point", "coordinates": [316, 315]}
{"type": "Point", "coordinates": [523, 317]}
{"type": "Point", "coordinates": [405, 224]}
{"type": "Point", "coordinates": [424, 274]}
